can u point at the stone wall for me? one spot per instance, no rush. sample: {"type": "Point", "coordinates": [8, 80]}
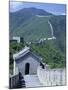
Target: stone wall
{"type": "Point", "coordinates": [52, 77]}
{"type": "Point", "coordinates": [13, 81]}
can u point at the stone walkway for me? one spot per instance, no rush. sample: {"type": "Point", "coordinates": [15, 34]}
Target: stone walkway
{"type": "Point", "coordinates": [52, 77]}
{"type": "Point", "coordinates": [32, 81]}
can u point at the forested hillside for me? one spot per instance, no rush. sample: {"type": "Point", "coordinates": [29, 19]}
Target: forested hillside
{"type": "Point", "coordinates": [32, 24]}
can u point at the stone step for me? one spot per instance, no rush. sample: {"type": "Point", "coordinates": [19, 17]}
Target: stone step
{"type": "Point", "coordinates": [32, 81]}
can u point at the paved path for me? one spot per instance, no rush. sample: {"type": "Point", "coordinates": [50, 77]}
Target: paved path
{"type": "Point", "coordinates": [32, 81]}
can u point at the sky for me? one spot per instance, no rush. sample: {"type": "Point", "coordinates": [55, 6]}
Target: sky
{"type": "Point", "coordinates": [57, 9]}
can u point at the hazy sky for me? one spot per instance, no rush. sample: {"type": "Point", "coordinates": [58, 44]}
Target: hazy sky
{"type": "Point", "coordinates": [53, 8]}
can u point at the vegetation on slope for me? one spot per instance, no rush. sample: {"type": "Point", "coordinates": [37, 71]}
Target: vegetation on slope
{"type": "Point", "coordinates": [26, 23]}
{"type": "Point", "coordinates": [50, 55]}
{"type": "Point", "coordinates": [59, 26]}
{"type": "Point", "coordinates": [33, 29]}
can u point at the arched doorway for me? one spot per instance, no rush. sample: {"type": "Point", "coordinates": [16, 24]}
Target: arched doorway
{"type": "Point", "coordinates": [27, 66]}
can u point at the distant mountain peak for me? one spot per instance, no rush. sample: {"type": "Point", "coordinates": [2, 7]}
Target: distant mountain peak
{"type": "Point", "coordinates": [33, 11]}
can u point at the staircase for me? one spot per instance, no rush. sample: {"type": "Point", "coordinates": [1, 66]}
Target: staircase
{"type": "Point", "coordinates": [32, 81]}
{"type": "Point", "coordinates": [21, 82]}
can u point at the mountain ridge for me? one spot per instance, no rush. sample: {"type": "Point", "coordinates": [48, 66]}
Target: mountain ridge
{"type": "Point", "coordinates": [33, 9]}
{"type": "Point", "coordinates": [35, 26]}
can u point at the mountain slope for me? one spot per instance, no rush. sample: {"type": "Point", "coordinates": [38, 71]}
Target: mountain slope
{"type": "Point", "coordinates": [32, 24]}
{"type": "Point", "coordinates": [35, 24]}
{"type": "Point", "coordinates": [33, 29]}
{"type": "Point", "coordinates": [23, 15]}
{"type": "Point", "coordinates": [59, 27]}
